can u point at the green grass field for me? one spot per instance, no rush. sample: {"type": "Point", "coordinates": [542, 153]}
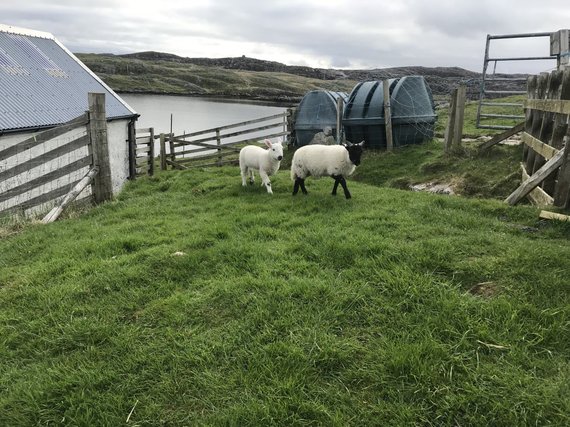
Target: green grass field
{"type": "Point", "coordinates": [190, 300]}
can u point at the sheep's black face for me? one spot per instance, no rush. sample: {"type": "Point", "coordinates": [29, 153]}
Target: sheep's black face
{"type": "Point", "coordinates": [355, 152]}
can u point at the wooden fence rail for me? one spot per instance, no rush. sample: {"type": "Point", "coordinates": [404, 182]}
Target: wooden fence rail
{"type": "Point", "coordinates": [191, 149]}
{"type": "Point", "coordinates": [31, 170]}
{"type": "Point", "coordinates": [546, 137]}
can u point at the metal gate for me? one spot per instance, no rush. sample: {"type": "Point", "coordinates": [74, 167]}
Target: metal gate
{"type": "Point", "coordinates": [489, 91]}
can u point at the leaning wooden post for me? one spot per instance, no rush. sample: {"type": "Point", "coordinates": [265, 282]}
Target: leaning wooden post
{"type": "Point", "coordinates": [162, 152]}
{"type": "Point", "coordinates": [450, 129]}
{"type": "Point", "coordinates": [219, 143]}
{"type": "Point", "coordinates": [71, 196]}
{"type": "Point", "coordinates": [97, 130]}
{"type": "Point", "coordinates": [339, 114]}
{"type": "Point", "coordinates": [387, 115]}
{"type": "Point", "coordinates": [459, 116]}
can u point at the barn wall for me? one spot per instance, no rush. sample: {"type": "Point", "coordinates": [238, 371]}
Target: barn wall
{"type": "Point", "coordinates": [117, 132]}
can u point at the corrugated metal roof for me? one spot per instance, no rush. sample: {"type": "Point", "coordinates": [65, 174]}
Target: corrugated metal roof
{"type": "Point", "coordinates": [42, 84]}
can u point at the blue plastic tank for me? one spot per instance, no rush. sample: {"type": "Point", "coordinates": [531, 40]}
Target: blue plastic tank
{"type": "Point", "coordinates": [316, 111]}
{"type": "Point", "coordinates": [412, 110]}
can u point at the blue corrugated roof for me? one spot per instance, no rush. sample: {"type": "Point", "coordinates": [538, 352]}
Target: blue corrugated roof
{"type": "Point", "coordinates": [42, 84]}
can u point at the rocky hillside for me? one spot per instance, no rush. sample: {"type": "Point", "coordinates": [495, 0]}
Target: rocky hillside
{"type": "Point", "coordinates": [156, 72]}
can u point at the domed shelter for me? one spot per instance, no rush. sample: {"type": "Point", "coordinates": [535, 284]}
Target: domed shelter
{"type": "Point", "coordinates": [412, 111]}
{"type": "Point", "coordinates": [317, 111]}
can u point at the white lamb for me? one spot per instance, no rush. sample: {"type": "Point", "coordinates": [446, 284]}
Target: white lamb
{"type": "Point", "coordinates": [252, 157]}
{"type": "Point", "coordinates": [336, 161]}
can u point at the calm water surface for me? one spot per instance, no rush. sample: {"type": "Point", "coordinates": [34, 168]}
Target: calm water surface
{"type": "Point", "coordinates": [190, 114]}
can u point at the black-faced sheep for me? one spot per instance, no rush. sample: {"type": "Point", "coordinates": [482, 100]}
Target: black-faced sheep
{"type": "Point", "coordinates": [336, 161]}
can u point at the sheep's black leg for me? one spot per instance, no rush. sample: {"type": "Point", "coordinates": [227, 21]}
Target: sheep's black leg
{"type": "Point", "coordinates": [302, 184]}
{"type": "Point", "coordinates": [336, 181]}
{"type": "Point", "coordinates": [344, 187]}
{"type": "Point", "coordinates": [296, 187]}
{"type": "Point", "coordinates": [299, 183]}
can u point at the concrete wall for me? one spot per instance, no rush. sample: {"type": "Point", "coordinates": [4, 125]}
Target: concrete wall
{"type": "Point", "coordinates": [117, 132]}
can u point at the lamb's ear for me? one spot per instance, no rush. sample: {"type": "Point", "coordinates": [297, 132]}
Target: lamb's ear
{"type": "Point", "coordinates": [361, 143]}
{"type": "Point", "coordinates": [267, 143]}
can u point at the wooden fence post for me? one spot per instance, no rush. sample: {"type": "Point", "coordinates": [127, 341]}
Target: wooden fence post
{"type": "Point", "coordinates": [171, 145]}
{"type": "Point", "coordinates": [291, 125]}
{"type": "Point", "coordinates": [387, 115]}
{"type": "Point", "coordinates": [450, 129]}
{"type": "Point", "coordinates": [339, 114]}
{"type": "Point", "coordinates": [132, 141]}
{"type": "Point", "coordinates": [218, 143]}
{"type": "Point", "coordinates": [97, 130]}
{"type": "Point", "coordinates": [454, 129]}
{"type": "Point", "coordinates": [151, 153]}
{"type": "Point", "coordinates": [162, 152]}
{"type": "Point", "coordinates": [459, 116]}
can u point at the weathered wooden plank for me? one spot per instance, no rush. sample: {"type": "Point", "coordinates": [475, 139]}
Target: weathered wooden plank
{"type": "Point", "coordinates": [234, 125]}
{"type": "Point", "coordinates": [553, 215]}
{"type": "Point", "coordinates": [71, 196]}
{"type": "Point", "coordinates": [537, 196]}
{"type": "Point", "coordinates": [198, 158]}
{"type": "Point", "coordinates": [143, 130]}
{"type": "Point", "coordinates": [46, 157]}
{"type": "Point", "coordinates": [30, 185]}
{"type": "Point", "coordinates": [141, 161]}
{"type": "Point", "coordinates": [194, 151]}
{"type": "Point", "coordinates": [142, 150]}
{"type": "Point", "coordinates": [539, 176]}
{"type": "Point", "coordinates": [231, 135]}
{"type": "Point", "coordinates": [44, 136]}
{"type": "Point", "coordinates": [225, 162]}
{"type": "Point", "coordinates": [540, 147]}
{"type": "Point", "coordinates": [548, 105]}
{"type": "Point", "coordinates": [209, 146]}
{"type": "Point", "coordinates": [502, 136]}
{"type": "Point", "coordinates": [143, 140]}
{"type": "Point", "coordinates": [40, 200]}
{"type": "Point", "coordinates": [175, 164]}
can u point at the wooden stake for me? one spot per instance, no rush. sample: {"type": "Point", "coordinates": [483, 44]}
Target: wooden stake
{"type": "Point", "coordinates": [387, 115]}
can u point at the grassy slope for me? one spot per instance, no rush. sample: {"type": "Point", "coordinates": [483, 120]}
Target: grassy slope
{"type": "Point", "coordinates": [134, 75]}
{"type": "Point", "coordinates": [285, 311]}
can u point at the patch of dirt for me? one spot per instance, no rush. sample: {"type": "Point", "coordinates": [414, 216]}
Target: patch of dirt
{"type": "Point", "coordinates": [434, 187]}
{"type": "Point", "coordinates": [484, 289]}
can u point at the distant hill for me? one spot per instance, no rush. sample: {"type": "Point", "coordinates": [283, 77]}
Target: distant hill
{"type": "Point", "coordinates": [157, 72]}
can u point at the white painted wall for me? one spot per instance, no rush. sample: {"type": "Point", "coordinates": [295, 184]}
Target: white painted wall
{"type": "Point", "coordinates": [117, 132]}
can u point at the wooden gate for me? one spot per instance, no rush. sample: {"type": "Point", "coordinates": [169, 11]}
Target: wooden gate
{"type": "Point", "coordinates": [220, 146]}
{"type": "Point", "coordinates": [546, 153]}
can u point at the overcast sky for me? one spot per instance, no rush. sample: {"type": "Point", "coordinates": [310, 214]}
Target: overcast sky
{"type": "Point", "coordinates": [317, 33]}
